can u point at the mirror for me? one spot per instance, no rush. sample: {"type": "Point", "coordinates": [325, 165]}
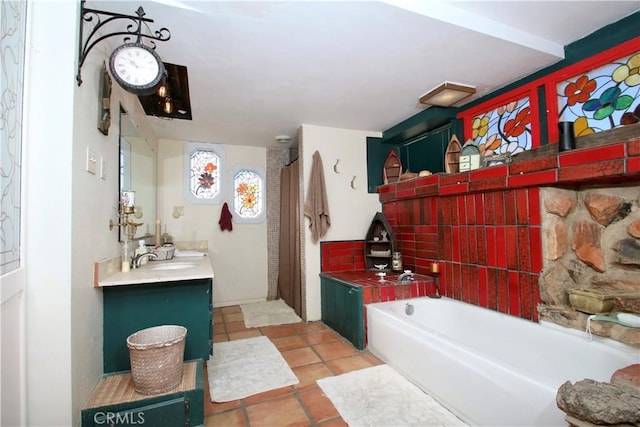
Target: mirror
{"type": "Point", "coordinates": [138, 173]}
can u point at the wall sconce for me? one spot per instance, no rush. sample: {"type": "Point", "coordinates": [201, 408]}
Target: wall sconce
{"type": "Point", "coordinates": [167, 106]}
{"type": "Point", "coordinates": [446, 94]}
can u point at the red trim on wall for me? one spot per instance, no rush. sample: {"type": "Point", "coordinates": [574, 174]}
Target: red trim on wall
{"type": "Point", "coordinates": [551, 81]}
{"type": "Point", "coordinates": [529, 90]}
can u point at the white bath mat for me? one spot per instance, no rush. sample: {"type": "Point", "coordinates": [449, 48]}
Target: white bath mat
{"type": "Point", "coordinates": [268, 313]}
{"type": "Point", "coordinates": [242, 368]}
{"type": "Point", "coordinates": [380, 396]}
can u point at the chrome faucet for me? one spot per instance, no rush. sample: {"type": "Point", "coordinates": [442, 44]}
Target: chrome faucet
{"type": "Point", "coordinates": [138, 258]}
{"type": "Point", "coordinates": [406, 276]}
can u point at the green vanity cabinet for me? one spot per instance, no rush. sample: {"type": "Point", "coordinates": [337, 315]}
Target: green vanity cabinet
{"type": "Point", "coordinates": [114, 402]}
{"type": "Point", "coordinates": [130, 308]}
{"type": "Point", "coordinates": [342, 309]}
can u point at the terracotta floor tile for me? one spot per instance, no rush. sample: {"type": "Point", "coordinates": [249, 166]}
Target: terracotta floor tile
{"type": "Point", "coordinates": [307, 327]}
{"type": "Point", "coordinates": [371, 358]}
{"type": "Point", "coordinates": [219, 327]}
{"type": "Point", "coordinates": [334, 350]}
{"type": "Point", "coordinates": [277, 331]}
{"type": "Point", "coordinates": [308, 375]}
{"type": "Point", "coordinates": [287, 343]}
{"type": "Point", "coordinates": [300, 356]}
{"type": "Point", "coordinates": [217, 317]}
{"type": "Point", "coordinates": [286, 411]}
{"type": "Point", "coordinates": [336, 422]}
{"type": "Point", "coordinates": [267, 395]}
{"type": "Point", "coordinates": [226, 419]}
{"type": "Point", "coordinates": [216, 408]}
{"type": "Point", "coordinates": [235, 326]}
{"type": "Point", "coordinates": [318, 337]}
{"type": "Point", "coordinates": [230, 309]}
{"type": "Point", "coordinates": [349, 363]}
{"type": "Point", "coordinates": [243, 334]}
{"type": "Point", "coordinates": [233, 317]}
{"type": "Point", "coordinates": [318, 405]}
{"type": "Point", "coordinates": [220, 337]}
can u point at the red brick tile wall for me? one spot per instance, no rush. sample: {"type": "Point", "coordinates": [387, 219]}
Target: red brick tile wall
{"type": "Point", "coordinates": [484, 226]}
{"type": "Point", "coordinates": [345, 255]}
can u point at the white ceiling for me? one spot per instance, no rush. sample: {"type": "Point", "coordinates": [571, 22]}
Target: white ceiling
{"type": "Point", "coordinates": [262, 68]}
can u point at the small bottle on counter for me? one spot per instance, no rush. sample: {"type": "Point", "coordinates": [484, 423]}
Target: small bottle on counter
{"type": "Point", "coordinates": [126, 256]}
{"type": "Point", "coordinates": [396, 262]}
{"type": "Point", "coordinates": [141, 250]}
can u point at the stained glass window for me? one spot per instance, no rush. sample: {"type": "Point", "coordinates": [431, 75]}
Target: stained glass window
{"type": "Point", "coordinates": [506, 129]}
{"type": "Point", "coordinates": [204, 166]}
{"type": "Point", "coordinates": [602, 99]}
{"type": "Point", "coordinates": [248, 195]}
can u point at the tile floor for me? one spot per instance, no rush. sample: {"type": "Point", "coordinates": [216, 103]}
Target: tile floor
{"type": "Point", "coordinates": [313, 351]}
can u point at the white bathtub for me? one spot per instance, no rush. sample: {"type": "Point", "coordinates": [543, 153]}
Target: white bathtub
{"type": "Point", "coordinates": [488, 368]}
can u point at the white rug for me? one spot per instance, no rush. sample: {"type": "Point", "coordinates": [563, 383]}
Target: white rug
{"type": "Point", "coordinates": [379, 396]}
{"type": "Point", "coordinates": [268, 313]}
{"type": "Point", "coordinates": [242, 368]}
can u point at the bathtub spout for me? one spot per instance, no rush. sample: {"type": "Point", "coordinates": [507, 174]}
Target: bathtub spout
{"type": "Point", "coordinates": [436, 282]}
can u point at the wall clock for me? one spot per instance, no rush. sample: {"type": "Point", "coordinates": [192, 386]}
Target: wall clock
{"type": "Point", "coordinates": [137, 68]}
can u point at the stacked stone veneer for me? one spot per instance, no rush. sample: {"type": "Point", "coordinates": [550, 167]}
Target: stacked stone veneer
{"type": "Point", "coordinates": [591, 240]}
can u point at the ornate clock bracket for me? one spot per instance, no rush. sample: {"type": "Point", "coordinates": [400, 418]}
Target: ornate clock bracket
{"type": "Point", "coordinates": [102, 18]}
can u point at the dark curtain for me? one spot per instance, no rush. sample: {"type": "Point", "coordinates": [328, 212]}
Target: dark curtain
{"type": "Point", "coordinates": [289, 277]}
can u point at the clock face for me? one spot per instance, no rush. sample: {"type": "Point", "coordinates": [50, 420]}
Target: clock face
{"type": "Point", "coordinates": [136, 68]}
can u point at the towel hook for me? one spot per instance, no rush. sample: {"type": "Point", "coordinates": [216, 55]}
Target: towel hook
{"type": "Point", "coordinates": [335, 167]}
{"type": "Point", "coordinates": [352, 182]}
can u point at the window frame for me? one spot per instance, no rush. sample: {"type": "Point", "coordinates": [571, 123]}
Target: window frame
{"type": "Point", "coordinates": [218, 151]}
{"type": "Point", "coordinates": [258, 170]}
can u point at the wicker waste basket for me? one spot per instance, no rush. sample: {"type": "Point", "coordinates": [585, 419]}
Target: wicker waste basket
{"type": "Point", "coordinates": [157, 355]}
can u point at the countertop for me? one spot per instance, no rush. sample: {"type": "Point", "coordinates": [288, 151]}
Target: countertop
{"type": "Point", "coordinates": [368, 278]}
{"type": "Point", "coordinates": [148, 274]}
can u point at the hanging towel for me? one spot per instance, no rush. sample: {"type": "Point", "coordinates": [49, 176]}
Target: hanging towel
{"type": "Point", "coordinates": [316, 206]}
{"type": "Point", "coordinates": [225, 218]}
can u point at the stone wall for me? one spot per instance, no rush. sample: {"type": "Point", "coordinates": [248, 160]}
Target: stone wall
{"type": "Point", "coordinates": [591, 242]}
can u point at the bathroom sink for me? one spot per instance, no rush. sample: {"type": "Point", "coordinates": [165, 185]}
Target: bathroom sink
{"type": "Point", "coordinates": [174, 266]}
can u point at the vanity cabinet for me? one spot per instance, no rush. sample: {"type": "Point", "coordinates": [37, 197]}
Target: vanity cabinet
{"type": "Point", "coordinates": [130, 308]}
{"type": "Point", "coordinates": [115, 402]}
{"type": "Point", "coordinates": [342, 309]}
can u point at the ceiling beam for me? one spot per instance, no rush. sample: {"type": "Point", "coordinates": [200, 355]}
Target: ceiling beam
{"type": "Point", "coordinates": [446, 12]}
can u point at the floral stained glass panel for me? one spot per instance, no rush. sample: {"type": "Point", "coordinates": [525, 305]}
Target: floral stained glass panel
{"type": "Point", "coordinates": [506, 129]}
{"type": "Point", "coordinates": [247, 194]}
{"type": "Point", "coordinates": [602, 99]}
{"type": "Point", "coordinates": [204, 180]}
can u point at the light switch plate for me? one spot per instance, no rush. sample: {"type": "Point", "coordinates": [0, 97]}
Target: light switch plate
{"type": "Point", "coordinates": [91, 161]}
{"type": "Point", "coordinates": [103, 168]}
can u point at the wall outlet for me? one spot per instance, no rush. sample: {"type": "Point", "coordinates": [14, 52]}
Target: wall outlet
{"type": "Point", "coordinates": [91, 161]}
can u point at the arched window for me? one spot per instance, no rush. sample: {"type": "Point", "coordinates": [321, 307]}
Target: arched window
{"type": "Point", "coordinates": [249, 204]}
{"type": "Point", "coordinates": [204, 166]}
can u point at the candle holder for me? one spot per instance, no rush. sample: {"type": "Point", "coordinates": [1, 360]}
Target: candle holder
{"type": "Point", "coordinates": [435, 267]}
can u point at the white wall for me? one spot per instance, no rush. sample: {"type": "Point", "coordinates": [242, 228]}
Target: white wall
{"type": "Point", "coordinates": [351, 210]}
{"type": "Point", "coordinates": [239, 257]}
{"type": "Point", "coordinates": [67, 211]}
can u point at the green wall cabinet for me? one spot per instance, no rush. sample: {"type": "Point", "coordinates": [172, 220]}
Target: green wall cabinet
{"type": "Point", "coordinates": [427, 151]}
{"type": "Point", "coordinates": [342, 309]}
{"type": "Point", "coordinates": [130, 308]}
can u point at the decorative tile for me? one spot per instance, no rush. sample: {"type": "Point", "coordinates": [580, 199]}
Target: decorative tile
{"type": "Point", "coordinates": [514, 293]}
{"type": "Point", "coordinates": [591, 171]}
{"type": "Point", "coordinates": [532, 179]}
{"type": "Point", "coordinates": [588, 155]}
